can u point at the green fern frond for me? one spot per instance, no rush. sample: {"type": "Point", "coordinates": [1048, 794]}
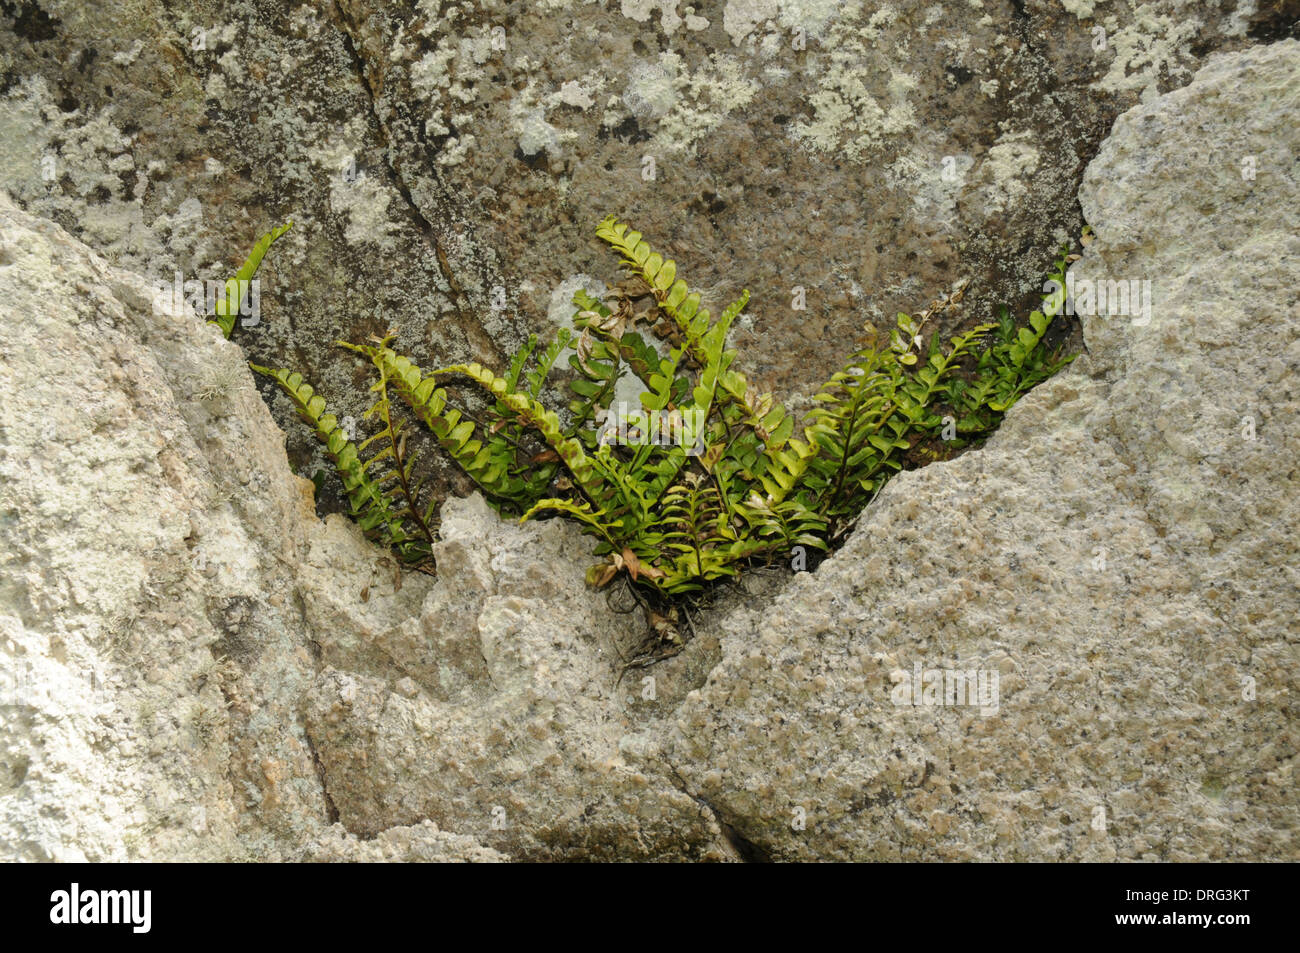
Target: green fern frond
{"type": "Point", "coordinates": [545, 422]}
{"type": "Point", "coordinates": [582, 511]}
{"type": "Point", "coordinates": [370, 506]}
{"type": "Point", "coordinates": [485, 465]}
{"type": "Point", "coordinates": [538, 375]}
{"type": "Point", "coordinates": [786, 523]}
{"type": "Point", "coordinates": [394, 438]}
{"type": "Point", "coordinates": [227, 308]}
{"type": "Point", "coordinates": [704, 339]}
{"type": "Point", "coordinates": [673, 295]}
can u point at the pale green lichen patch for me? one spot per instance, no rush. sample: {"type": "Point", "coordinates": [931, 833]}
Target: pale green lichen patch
{"type": "Point", "coordinates": [863, 97]}
{"type": "Point", "coordinates": [1151, 47]}
{"type": "Point", "coordinates": [640, 11]}
{"type": "Point", "coordinates": [1081, 8]}
{"type": "Point", "coordinates": [852, 53]}
{"type": "Point", "coordinates": [1006, 171]}
{"type": "Point", "coordinates": [720, 87]}
{"type": "Point", "coordinates": [361, 197]}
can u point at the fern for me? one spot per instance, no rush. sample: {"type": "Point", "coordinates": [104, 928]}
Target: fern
{"type": "Point", "coordinates": [735, 484]}
{"type": "Point", "coordinates": [1018, 361]}
{"type": "Point", "coordinates": [870, 413]}
{"type": "Point", "coordinates": [227, 308]}
{"type": "Point", "coordinates": [785, 524]}
{"type": "Point", "coordinates": [485, 456]}
{"type": "Point", "coordinates": [404, 486]}
{"type": "Point", "coordinates": [370, 505]}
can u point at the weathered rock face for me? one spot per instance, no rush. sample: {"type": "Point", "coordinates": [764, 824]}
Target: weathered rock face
{"type": "Point", "coordinates": [152, 649]}
{"type": "Point", "coordinates": [193, 666]}
{"type": "Point", "coordinates": [1122, 556]}
{"type": "Point", "coordinates": [431, 153]}
{"type": "Point", "coordinates": [423, 842]}
{"type": "Point", "coordinates": [493, 707]}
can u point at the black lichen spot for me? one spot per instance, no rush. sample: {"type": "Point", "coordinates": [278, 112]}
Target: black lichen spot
{"type": "Point", "coordinates": [710, 203]}
{"type": "Point", "coordinates": [234, 618]}
{"type": "Point", "coordinates": [626, 131]}
{"type": "Point", "coordinates": [535, 161]}
{"type": "Point", "coordinates": [30, 21]}
{"type": "Point", "coordinates": [1275, 20]}
{"type": "Point", "coordinates": [960, 73]}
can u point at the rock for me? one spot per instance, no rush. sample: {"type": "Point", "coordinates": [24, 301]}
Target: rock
{"type": "Point", "coordinates": [196, 667]}
{"type": "Point", "coordinates": [446, 162]}
{"type": "Point", "coordinates": [153, 643]}
{"type": "Point", "coordinates": [422, 842]}
{"type": "Point", "coordinates": [1116, 568]}
{"type": "Point", "coordinates": [151, 530]}
{"type": "Point", "coordinates": [517, 735]}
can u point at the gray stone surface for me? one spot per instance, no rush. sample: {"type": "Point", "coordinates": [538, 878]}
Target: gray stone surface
{"type": "Point", "coordinates": [421, 842]}
{"type": "Point", "coordinates": [155, 555]}
{"type": "Point", "coordinates": [195, 667]}
{"type": "Point", "coordinates": [152, 648]}
{"type": "Point", "coordinates": [505, 723]}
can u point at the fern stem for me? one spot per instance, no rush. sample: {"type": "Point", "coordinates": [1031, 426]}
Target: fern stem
{"type": "Point", "coordinates": [399, 459]}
